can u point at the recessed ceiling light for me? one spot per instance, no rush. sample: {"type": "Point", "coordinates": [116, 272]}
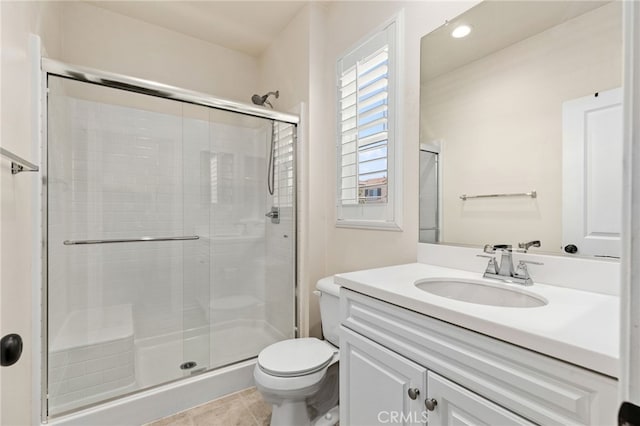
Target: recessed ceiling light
{"type": "Point", "coordinates": [461, 31]}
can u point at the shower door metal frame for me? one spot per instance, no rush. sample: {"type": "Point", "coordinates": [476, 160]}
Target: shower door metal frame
{"type": "Point", "coordinates": [152, 88]}
{"type": "Point", "coordinates": [50, 67]}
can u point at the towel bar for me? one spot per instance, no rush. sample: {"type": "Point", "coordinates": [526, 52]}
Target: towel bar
{"type": "Point", "coordinates": [532, 194]}
{"type": "Point", "coordinates": [18, 164]}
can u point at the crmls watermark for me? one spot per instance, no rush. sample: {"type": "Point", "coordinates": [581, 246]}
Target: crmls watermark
{"type": "Point", "coordinates": [398, 417]}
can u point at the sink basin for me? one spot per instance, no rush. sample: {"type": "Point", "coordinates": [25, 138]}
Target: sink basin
{"type": "Point", "coordinates": [480, 292]}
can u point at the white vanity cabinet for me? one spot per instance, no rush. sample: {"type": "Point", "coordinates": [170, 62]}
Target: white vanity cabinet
{"type": "Point", "coordinates": [387, 351]}
{"type": "Point", "coordinates": [378, 386]}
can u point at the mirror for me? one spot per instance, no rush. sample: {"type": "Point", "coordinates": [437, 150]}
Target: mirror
{"type": "Point", "coordinates": [521, 127]}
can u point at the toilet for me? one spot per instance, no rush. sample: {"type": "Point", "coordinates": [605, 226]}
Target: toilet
{"type": "Point", "coordinates": [299, 377]}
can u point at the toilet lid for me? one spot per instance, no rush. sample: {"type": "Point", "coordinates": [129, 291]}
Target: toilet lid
{"type": "Point", "coordinates": [295, 357]}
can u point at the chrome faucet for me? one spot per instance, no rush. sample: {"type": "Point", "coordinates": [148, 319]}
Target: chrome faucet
{"type": "Point", "coordinates": [505, 271]}
{"type": "Point", "coordinates": [525, 246]}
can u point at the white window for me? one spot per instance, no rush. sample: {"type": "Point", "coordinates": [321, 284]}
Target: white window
{"type": "Point", "coordinates": [368, 193]}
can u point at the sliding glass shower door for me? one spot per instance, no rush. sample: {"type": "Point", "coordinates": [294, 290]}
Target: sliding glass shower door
{"type": "Point", "coordinates": [161, 261]}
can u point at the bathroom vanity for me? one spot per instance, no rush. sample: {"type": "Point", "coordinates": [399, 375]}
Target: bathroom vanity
{"type": "Point", "coordinates": [409, 356]}
{"type": "Point", "coordinates": [504, 159]}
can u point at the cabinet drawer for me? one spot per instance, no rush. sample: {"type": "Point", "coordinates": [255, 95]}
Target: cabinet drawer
{"type": "Point", "coordinates": [542, 389]}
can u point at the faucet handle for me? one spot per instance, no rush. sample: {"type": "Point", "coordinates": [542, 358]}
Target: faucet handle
{"type": "Point", "coordinates": [488, 248]}
{"type": "Point", "coordinates": [492, 266]}
{"type": "Point", "coordinates": [523, 273]}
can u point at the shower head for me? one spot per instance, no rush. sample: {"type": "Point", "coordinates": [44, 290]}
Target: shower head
{"type": "Point", "coordinates": [258, 100]}
{"type": "Point", "coordinates": [262, 100]}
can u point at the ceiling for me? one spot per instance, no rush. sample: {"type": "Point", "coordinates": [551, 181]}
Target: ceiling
{"type": "Point", "coordinates": [245, 26]}
{"type": "Point", "coordinates": [496, 25]}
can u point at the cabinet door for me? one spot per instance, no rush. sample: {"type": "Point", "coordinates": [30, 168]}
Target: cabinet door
{"type": "Point", "coordinates": [377, 385]}
{"type": "Point", "coordinates": [459, 406]}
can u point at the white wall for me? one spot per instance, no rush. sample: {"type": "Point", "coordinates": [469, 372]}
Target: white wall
{"type": "Point", "coordinates": [102, 39]}
{"type": "Point", "coordinates": [284, 66]}
{"type": "Point", "coordinates": [316, 166]}
{"type": "Point", "coordinates": [19, 19]}
{"type": "Point", "coordinates": [511, 105]}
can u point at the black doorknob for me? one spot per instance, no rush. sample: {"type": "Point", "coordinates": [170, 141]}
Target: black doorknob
{"type": "Point", "coordinates": [10, 349]}
{"type": "Point", "coordinates": [629, 414]}
{"type": "Point", "coordinates": [571, 248]}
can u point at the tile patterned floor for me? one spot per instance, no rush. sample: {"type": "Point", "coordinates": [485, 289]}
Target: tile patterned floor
{"type": "Point", "coordinates": [244, 408]}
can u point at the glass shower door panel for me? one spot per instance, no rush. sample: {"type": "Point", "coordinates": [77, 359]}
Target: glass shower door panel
{"type": "Point", "coordinates": [280, 236]}
{"type": "Point", "coordinates": [196, 160]}
{"type": "Point", "coordinates": [244, 318]}
{"type": "Point", "coordinates": [115, 309]}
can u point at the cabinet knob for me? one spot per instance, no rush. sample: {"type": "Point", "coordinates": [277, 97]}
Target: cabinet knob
{"type": "Point", "coordinates": [430, 404]}
{"type": "Point", "coordinates": [413, 393]}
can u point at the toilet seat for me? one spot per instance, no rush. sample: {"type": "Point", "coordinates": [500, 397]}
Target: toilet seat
{"type": "Point", "coordinates": [296, 357]}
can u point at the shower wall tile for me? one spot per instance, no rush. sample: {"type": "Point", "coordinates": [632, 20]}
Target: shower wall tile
{"type": "Point", "coordinates": [116, 173]}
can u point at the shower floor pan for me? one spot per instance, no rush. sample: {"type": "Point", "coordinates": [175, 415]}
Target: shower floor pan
{"type": "Point", "coordinates": [158, 359]}
{"type": "Point", "coordinates": [95, 357]}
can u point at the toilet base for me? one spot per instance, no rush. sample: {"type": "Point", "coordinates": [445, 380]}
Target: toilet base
{"type": "Point", "coordinates": [289, 413]}
{"type": "Point", "coordinates": [294, 413]}
{"type": "Point", "coordinates": [328, 419]}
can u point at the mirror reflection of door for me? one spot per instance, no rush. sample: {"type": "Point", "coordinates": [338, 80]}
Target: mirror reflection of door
{"type": "Point", "coordinates": [429, 196]}
{"type": "Point", "coordinates": [592, 174]}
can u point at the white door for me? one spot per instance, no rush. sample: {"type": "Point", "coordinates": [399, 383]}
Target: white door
{"type": "Point", "coordinates": [592, 174]}
{"type": "Point", "coordinates": [455, 405]}
{"type": "Point", "coordinates": [378, 386]}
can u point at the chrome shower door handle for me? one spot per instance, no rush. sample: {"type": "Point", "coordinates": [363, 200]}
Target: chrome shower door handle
{"type": "Point", "coordinates": [274, 214]}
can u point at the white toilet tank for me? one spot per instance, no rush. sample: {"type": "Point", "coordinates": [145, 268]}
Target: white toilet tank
{"type": "Point", "coordinates": [330, 309]}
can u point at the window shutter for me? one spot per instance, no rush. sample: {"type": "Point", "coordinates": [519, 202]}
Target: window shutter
{"type": "Point", "coordinates": [364, 111]}
{"type": "Point", "coordinates": [283, 134]}
{"type": "Point", "coordinates": [368, 192]}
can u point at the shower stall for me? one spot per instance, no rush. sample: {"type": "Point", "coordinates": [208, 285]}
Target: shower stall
{"type": "Point", "coordinates": [166, 256]}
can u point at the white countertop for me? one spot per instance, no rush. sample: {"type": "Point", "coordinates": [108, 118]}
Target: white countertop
{"type": "Point", "coordinates": [576, 326]}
